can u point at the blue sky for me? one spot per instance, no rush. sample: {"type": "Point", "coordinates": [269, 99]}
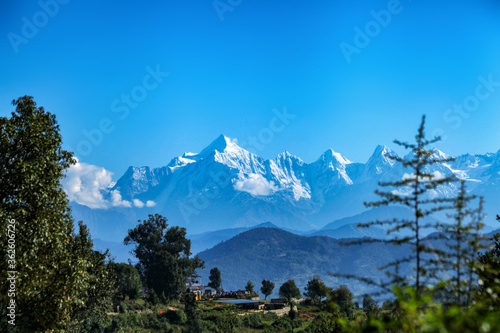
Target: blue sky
{"type": "Point", "coordinates": [229, 67]}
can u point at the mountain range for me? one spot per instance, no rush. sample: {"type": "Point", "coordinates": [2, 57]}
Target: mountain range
{"type": "Point", "coordinates": [209, 239]}
{"type": "Point", "coordinates": [225, 186]}
{"type": "Point", "coordinates": [278, 255]}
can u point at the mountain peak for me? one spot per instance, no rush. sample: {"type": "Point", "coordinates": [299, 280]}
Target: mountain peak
{"type": "Point", "coordinates": [381, 152]}
{"type": "Point", "coordinates": [380, 149]}
{"type": "Point", "coordinates": [330, 156]}
{"type": "Point", "coordinates": [439, 154]}
{"type": "Point", "coordinates": [286, 155]}
{"type": "Point", "coordinates": [379, 162]}
{"type": "Point", "coordinates": [221, 144]}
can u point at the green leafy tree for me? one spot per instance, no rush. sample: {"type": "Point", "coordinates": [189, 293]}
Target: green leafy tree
{"type": "Point", "coordinates": [55, 278]}
{"type": "Point", "coordinates": [289, 291]}
{"type": "Point", "coordinates": [267, 288]}
{"type": "Point", "coordinates": [97, 271]}
{"type": "Point", "coordinates": [249, 287]}
{"type": "Point", "coordinates": [128, 281]}
{"type": "Point", "coordinates": [316, 289]}
{"type": "Point", "coordinates": [343, 298]}
{"type": "Point", "coordinates": [193, 314]}
{"type": "Point", "coordinates": [370, 307]}
{"type": "Point", "coordinates": [215, 279]}
{"type": "Point", "coordinates": [164, 256]}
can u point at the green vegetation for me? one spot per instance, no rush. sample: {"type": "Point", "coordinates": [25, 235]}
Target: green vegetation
{"type": "Point", "coordinates": [63, 285]}
{"type": "Point", "coordinates": [215, 279]}
{"type": "Point", "coordinates": [316, 289]}
{"type": "Point", "coordinates": [164, 256]}
{"type": "Point", "coordinates": [411, 192]}
{"type": "Point", "coordinates": [128, 281]}
{"type": "Point", "coordinates": [289, 290]}
{"type": "Point", "coordinates": [267, 288]}
{"type": "Point", "coordinates": [249, 287]}
{"type": "Point", "coordinates": [61, 282]}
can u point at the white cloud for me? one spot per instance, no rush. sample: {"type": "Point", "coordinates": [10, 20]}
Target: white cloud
{"type": "Point", "coordinates": [255, 184]}
{"type": "Point", "coordinates": [150, 203]}
{"type": "Point", "coordinates": [116, 200]}
{"type": "Point", "coordinates": [90, 185]}
{"type": "Point", "coordinates": [138, 203]}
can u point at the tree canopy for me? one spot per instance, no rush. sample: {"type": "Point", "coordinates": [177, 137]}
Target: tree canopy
{"type": "Point", "coordinates": [164, 255]}
{"type": "Point", "coordinates": [267, 288]}
{"type": "Point", "coordinates": [128, 280]}
{"type": "Point", "coordinates": [59, 277]}
{"type": "Point", "coordinates": [215, 279]}
{"type": "Point", "coordinates": [289, 290]}
{"type": "Point", "coordinates": [316, 289]}
{"type": "Point", "coordinates": [249, 287]}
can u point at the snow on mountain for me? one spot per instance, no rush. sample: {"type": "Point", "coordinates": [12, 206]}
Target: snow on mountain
{"type": "Point", "coordinates": [287, 171]}
{"type": "Point", "coordinates": [379, 163]}
{"type": "Point", "coordinates": [139, 180]}
{"type": "Point", "coordinates": [226, 186]}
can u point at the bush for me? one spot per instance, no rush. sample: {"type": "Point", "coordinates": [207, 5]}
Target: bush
{"type": "Point", "coordinates": [122, 307]}
{"type": "Point", "coordinates": [324, 323]}
{"type": "Point", "coordinates": [176, 317]}
{"type": "Point", "coordinates": [228, 321]}
{"type": "Point", "coordinates": [282, 324]}
{"type": "Point", "coordinates": [139, 322]}
{"type": "Point", "coordinates": [253, 320]}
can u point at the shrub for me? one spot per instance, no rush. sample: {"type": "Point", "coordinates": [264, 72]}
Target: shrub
{"type": "Point", "coordinates": [253, 320]}
{"type": "Point", "coordinates": [176, 317]}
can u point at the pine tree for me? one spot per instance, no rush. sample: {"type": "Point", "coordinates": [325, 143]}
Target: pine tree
{"type": "Point", "coordinates": [488, 272]}
{"type": "Point", "coordinates": [476, 243]}
{"type": "Point", "coordinates": [464, 243]}
{"type": "Point", "coordinates": [412, 192]}
{"type": "Point", "coordinates": [418, 183]}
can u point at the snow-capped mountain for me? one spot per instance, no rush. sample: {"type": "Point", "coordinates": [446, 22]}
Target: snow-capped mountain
{"type": "Point", "coordinates": [225, 186]}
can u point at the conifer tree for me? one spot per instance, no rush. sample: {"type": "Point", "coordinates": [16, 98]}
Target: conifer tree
{"type": "Point", "coordinates": [412, 192]}
{"type": "Point", "coordinates": [465, 241]}
{"type": "Point", "coordinates": [476, 243]}
{"type": "Point", "coordinates": [413, 189]}
{"type": "Point", "coordinates": [488, 272]}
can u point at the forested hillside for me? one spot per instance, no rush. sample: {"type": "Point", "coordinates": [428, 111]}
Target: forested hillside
{"type": "Point", "coordinates": [277, 255]}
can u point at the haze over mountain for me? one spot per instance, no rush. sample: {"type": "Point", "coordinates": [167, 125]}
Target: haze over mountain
{"type": "Point", "coordinates": [277, 255]}
{"type": "Point", "coordinates": [225, 186]}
